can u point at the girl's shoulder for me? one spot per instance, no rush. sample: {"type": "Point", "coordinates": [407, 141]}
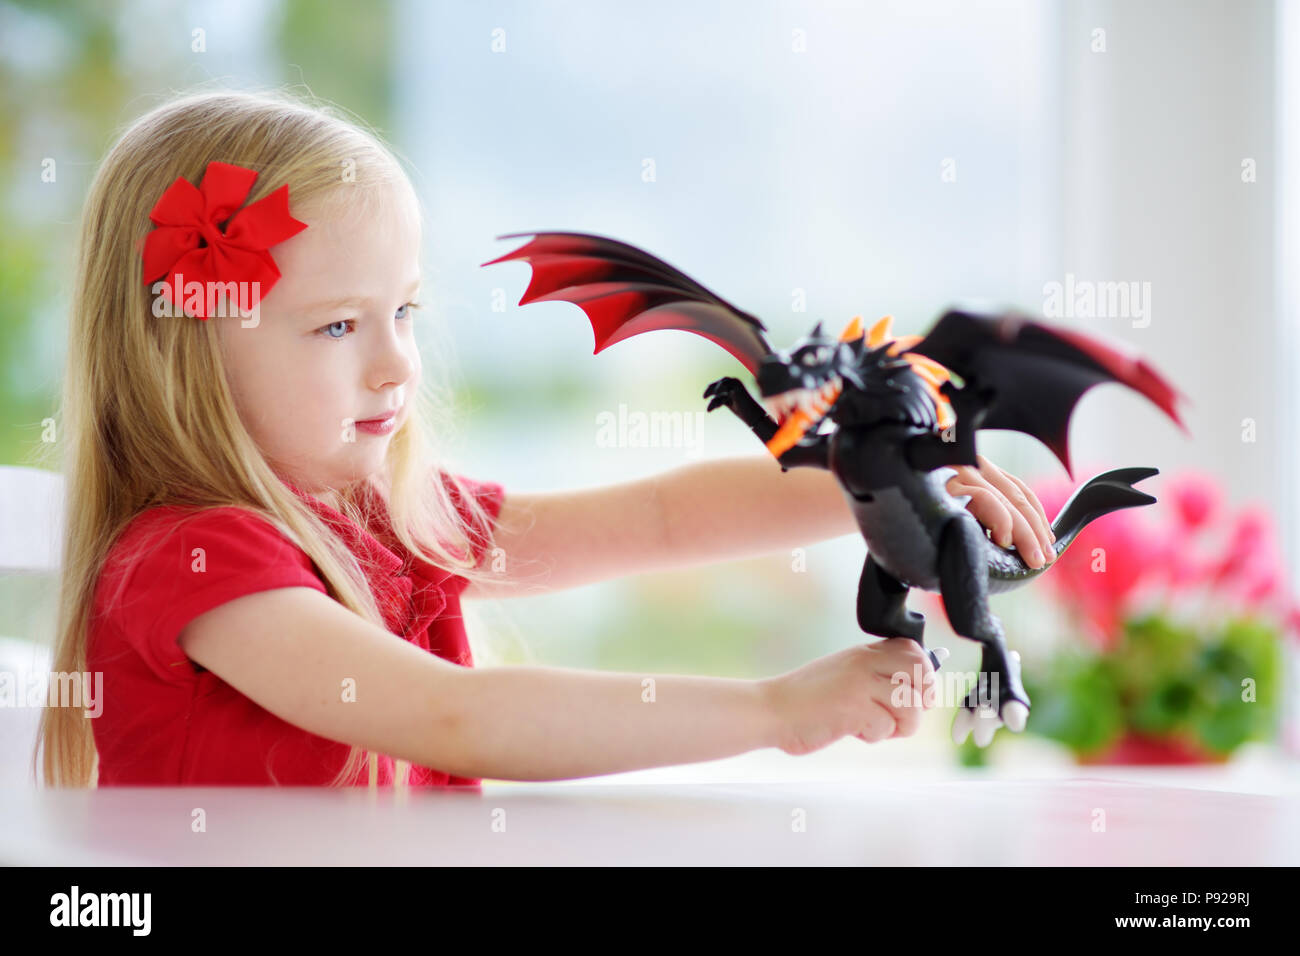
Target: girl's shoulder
{"type": "Point", "coordinates": [201, 547]}
{"type": "Point", "coordinates": [168, 526]}
{"type": "Point", "coordinates": [172, 563]}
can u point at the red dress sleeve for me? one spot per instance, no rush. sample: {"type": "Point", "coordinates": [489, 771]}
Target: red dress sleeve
{"type": "Point", "coordinates": [182, 564]}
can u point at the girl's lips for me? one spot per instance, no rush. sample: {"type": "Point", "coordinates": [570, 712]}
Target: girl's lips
{"type": "Point", "coordinates": [379, 426]}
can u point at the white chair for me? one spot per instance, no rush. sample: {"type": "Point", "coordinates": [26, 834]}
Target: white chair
{"type": "Point", "coordinates": [31, 536]}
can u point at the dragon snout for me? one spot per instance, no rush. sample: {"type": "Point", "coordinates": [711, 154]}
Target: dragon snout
{"type": "Point", "coordinates": [773, 378]}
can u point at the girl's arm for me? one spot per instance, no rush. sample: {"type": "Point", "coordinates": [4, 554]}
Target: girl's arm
{"type": "Point", "coordinates": [695, 514]}
{"type": "Point", "coordinates": [291, 649]}
{"type": "Point", "coordinates": [715, 511]}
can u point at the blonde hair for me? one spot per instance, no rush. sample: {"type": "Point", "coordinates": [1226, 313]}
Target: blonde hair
{"type": "Point", "coordinates": [147, 416]}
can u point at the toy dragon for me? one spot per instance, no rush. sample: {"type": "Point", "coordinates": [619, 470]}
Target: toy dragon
{"type": "Point", "coordinates": [888, 417]}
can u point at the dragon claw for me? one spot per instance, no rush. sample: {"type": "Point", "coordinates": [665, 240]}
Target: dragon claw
{"type": "Point", "coordinates": [986, 724]}
{"type": "Point", "coordinates": [982, 723]}
{"type": "Point", "coordinates": [1014, 715]}
{"type": "Point", "coordinates": [984, 719]}
{"type": "Point", "coordinates": [723, 392]}
{"type": "Point", "coordinates": [961, 726]}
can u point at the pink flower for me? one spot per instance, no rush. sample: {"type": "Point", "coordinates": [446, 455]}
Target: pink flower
{"type": "Point", "coordinates": [1195, 497]}
{"type": "Point", "coordinates": [1263, 586]}
{"type": "Point", "coordinates": [1249, 544]}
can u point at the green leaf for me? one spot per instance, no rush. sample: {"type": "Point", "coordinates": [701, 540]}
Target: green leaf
{"type": "Point", "coordinates": [1228, 726]}
{"type": "Point", "coordinates": [1169, 706]}
{"type": "Point", "coordinates": [1077, 704]}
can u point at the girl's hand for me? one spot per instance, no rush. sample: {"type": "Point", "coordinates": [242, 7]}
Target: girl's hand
{"type": "Point", "coordinates": [868, 691]}
{"type": "Point", "coordinates": [1006, 505]}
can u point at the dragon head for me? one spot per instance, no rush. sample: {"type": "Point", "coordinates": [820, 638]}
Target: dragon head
{"type": "Point", "coordinates": [800, 387]}
{"type": "Point", "coordinates": [805, 378]}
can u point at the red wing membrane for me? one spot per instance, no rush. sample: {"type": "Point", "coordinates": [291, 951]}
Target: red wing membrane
{"type": "Point", "coordinates": [625, 291]}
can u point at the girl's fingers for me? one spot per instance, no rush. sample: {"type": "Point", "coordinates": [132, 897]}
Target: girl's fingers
{"type": "Point", "coordinates": [1033, 500]}
{"type": "Point", "coordinates": [881, 725]}
{"type": "Point", "coordinates": [1020, 499]}
{"type": "Point", "coordinates": [987, 507]}
{"type": "Point", "coordinates": [993, 510]}
{"type": "Point", "coordinates": [998, 477]}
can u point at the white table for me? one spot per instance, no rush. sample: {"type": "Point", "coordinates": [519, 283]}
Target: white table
{"type": "Point", "coordinates": [986, 820]}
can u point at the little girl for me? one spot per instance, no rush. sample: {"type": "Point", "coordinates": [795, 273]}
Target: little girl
{"type": "Point", "coordinates": [264, 558]}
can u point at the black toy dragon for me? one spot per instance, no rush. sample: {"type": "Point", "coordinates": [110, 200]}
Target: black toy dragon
{"type": "Point", "coordinates": [889, 417]}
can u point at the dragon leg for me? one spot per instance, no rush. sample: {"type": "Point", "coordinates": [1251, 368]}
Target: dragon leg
{"type": "Point", "coordinates": [882, 608]}
{"type": "Point", "coordinates": [882, 605]}
{"type": "Point", "coordinates": [963, 581]}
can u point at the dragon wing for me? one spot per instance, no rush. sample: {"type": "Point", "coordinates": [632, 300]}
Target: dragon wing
{"type": "Point", "coordinates": [1035, 374]}
{"type": "Point", "coordinates": [626, 291]}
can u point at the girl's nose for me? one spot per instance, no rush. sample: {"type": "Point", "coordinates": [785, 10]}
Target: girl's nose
{"type": "Point", "coordinates": [393, 363]}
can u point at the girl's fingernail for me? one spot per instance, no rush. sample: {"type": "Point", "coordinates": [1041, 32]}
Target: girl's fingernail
{"type": "Point", "coordinates": [1039, 560]}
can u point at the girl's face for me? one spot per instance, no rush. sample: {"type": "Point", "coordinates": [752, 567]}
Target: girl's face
{"type": "Point", "coordinates": [334, 345]}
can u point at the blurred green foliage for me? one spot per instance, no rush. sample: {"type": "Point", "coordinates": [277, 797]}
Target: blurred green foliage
{"type": "Point", "coordinates": [1163, 679]}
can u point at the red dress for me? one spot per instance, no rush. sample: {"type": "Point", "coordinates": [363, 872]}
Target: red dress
{"type": "Point", "coordinates": [168, 721]}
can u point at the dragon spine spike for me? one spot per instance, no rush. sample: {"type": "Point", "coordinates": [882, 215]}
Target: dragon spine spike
{"type": "Point", "coordinates": [903, 343]}
{"type": "Point", "coordinates": [930, 365]}
{"type": "Point", "coordinates": [927, 375]}
{"type": "Point", "coordinates": [880, 332]}
{"type": "Point", "coordinates": [853, 330]}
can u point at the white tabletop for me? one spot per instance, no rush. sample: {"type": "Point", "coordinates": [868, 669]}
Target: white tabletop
{"type": "Point", "coordinates": [965, 820]}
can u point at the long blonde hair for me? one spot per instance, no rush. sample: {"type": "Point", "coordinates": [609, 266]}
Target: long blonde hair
{"type": "Point", "coordinates": [147, 417]}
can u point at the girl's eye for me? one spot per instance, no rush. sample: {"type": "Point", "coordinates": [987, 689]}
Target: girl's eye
{"type": "Point", "coordinates": [334, 325]}
{"type": "Point", "coordinates": [327, 330]}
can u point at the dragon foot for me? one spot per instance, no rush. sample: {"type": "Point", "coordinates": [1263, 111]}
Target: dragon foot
{"type": "Point", "coordinates": [978, 715]}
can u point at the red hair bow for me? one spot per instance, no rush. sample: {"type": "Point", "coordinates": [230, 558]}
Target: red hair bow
{"type": "Point", "coordinates": [190, 246]}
